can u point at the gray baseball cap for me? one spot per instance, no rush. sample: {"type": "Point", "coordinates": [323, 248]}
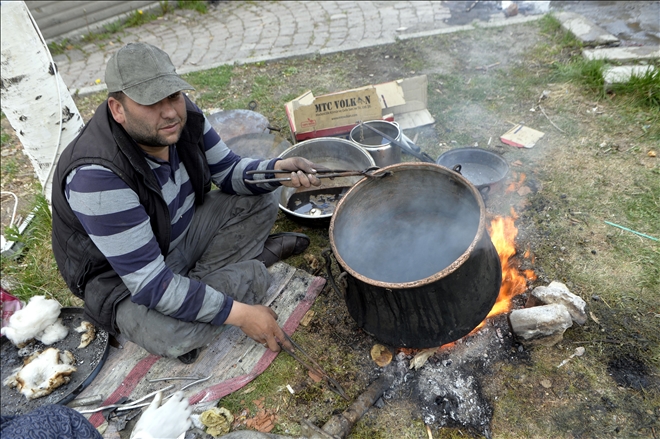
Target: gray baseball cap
{"type": "Point", "coordinates": [144, 73]}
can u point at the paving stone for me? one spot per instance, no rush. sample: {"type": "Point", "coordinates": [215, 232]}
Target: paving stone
{"type": "Point", "coordinates": [585, 30]}
{"type": "Point", "coordinates": [623, 54]}
{"type": "Point", "coordinates": [622, 74]}
{"type": "Point", "coordinates": [241, 30]}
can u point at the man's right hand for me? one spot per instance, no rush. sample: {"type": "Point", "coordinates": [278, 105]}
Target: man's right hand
{"type": "Point", "coordinates": [259, 323]}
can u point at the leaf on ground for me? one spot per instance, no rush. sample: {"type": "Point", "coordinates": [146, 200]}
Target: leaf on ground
{"type": "Point", "coordinates": [316, 378]}
{"type": "Point", "coordinates": [420, 359]}
{"type": "Point", "coordinates": [263, 421]}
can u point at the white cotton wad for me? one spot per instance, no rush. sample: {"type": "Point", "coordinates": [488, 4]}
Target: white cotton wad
{"type": "Point", "coordinates": [42, 373]}
{"type": "Point", "coordinates": [32, 320]}
{"type": "Point", "coordinates": [54, 333]}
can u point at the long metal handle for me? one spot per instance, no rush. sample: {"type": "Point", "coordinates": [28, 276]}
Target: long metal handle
{"type": "Point", "coordinates": [272, 180]}
{"type": "Point", "coordinates": [328, 268]}
{"type": "Point", "coordinates": [420, 155]}
{"type": "Point", "coordinates": [318, 171]}
{"type": "Point", "coordinates": [314, 367]}
{"type": "Point", "coordinates": [369, 172]}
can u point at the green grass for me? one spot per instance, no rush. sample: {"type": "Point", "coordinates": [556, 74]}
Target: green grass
{"type": "Point", "coordinates": [195, 5]}
{"type": "Point", "coordinates": [139, 17]}
{"type": "Point", "coordinates": [32, 271]}
{"type": "Point", "coordinates": [59, 47]}
{"type": "Point", "coordinates": [166, 7]}
{"type": "Point", "coordinates": [114, 27]}
{"type": "Point", "coordinates": [9, 168]}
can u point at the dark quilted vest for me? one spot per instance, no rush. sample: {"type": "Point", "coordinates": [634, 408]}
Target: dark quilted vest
{"type": "Point", "coordinates": [104, 142]}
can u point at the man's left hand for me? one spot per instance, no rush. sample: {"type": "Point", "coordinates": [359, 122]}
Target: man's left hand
{"type": "Point", "coordinates": [303, 172]}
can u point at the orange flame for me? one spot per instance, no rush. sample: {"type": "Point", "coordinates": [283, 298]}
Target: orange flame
{"type": "Point", "coordinates": [503, 233]}
{"type": "Point", "coordinates": [515, 185]}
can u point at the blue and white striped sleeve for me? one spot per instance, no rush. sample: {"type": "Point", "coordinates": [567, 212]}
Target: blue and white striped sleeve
{"type": "Point", "coordinates": [116, 222]}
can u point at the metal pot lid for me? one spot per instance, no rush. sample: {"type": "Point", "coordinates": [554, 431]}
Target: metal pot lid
{"type": "Point", "coordinates": [258, 145]}
{"type": "Point", "coordinates": [233, 123]}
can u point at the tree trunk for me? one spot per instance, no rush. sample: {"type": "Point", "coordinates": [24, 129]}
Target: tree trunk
{"type": "Point", "coordinates": [35, 99]}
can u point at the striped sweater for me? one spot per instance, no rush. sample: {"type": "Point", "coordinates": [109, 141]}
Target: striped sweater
{"type": "Point", "coordinates": [118, 225]}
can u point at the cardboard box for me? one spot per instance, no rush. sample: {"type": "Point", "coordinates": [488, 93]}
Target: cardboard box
{"type": "Point", "coordinates": [336, 114]}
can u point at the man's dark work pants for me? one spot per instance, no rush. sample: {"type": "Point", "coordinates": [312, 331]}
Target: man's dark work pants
{"type": "Point", "coordinates": [226, 234]}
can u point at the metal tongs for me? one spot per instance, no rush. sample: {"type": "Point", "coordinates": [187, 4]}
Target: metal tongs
{"type": "Point", "coordinates": [314, 368]}
{"type": "Point", "coordinates": [321, 173]}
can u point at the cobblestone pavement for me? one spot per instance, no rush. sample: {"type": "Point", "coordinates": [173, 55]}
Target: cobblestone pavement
{"type": "Point", "coordinates": [248, 31]}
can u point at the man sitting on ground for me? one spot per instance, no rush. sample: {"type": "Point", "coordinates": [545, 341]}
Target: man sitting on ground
{"type": "Point", "coordinates": [137, 233]}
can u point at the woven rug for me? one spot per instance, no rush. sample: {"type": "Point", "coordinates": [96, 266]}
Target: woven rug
{"type": "Point", "coordinates": [231, 361]}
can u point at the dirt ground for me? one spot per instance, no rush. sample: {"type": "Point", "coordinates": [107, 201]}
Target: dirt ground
{"type": "Point", "coordinates": [481, 83]}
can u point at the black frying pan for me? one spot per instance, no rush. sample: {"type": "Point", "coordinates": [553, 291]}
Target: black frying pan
{"type": "Point", "coordinates": [481, 167]}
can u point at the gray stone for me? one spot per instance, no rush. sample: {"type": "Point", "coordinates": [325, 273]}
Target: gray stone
{"type": "Point", "coordinates": [558, 293]}
{"type": "Point", "coordinates": [622, 74]}
{"type": "Point", "coordinates": [541, 325]}
{"type": "Point", "coordinates": [585, 30]}
{"type": "Point", "coordinates": [623, 54]}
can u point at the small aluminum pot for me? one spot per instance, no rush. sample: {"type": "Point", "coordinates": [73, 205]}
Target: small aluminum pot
{"type": "Point", "coordinates": [382, 151]}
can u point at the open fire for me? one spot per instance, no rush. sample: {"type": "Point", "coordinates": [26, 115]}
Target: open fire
{"type": "Point", "coordinates": [449, 388]}
{"type": "Point", "coordinates": [503, 233]}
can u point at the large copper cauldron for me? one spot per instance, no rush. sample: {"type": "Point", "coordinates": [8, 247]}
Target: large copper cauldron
{"type": "Point", "coordinates": [418, 267]}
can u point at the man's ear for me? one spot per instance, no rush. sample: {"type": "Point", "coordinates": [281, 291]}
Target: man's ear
{"type": "Point", "coordinates": [117, 110]}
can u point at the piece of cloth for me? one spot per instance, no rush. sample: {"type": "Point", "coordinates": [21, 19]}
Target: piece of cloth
{"type": "Point", "coordinates": [135, 219]}
{"type": "Point", "coordinates": [218, 249]}
{"type": "Point", "coordinates": [48, 422]}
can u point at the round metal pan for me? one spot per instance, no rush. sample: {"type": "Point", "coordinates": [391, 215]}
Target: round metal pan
{"type": "Point", "coordinates": [89, 361]}
{"type": "Point", "coordinates": [481, 167]}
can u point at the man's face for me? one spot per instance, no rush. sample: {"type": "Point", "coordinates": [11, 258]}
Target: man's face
{"type": "Point", "coordinates": [154, 125]}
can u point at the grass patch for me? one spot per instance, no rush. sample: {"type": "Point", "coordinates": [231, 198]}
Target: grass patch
{"type": "Point", "coordinates": [33, 271]}
{"type": "Point", "coordinates": [642, 91]}
{"type": "Point", "coordinates": [139, 17]}
{"type": "Point", "coordinates": [9, 168]}
{"type": "Point", "coordinates": [59, 47]}
{"type": "Point", "coordinates": [195, 5]}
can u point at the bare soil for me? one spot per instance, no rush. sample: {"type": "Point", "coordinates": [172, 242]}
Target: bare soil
{"type": "Point", "coordinates": [590, 163]}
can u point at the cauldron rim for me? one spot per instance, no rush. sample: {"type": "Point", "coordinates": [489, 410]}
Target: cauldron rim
{"type": "Point", "coordinates": [436, 276]}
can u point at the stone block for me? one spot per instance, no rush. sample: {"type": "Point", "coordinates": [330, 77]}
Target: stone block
{"type": "Point", "coordinates": [558, 293]}
{"type": "Point", "coordinates": [622, 74]}
{"type": "Point", "coordinates": [623, 54]}
{"type": "Point", "coordinates": [585, 30]}
{"type": "Point", "coordinates": [541, 325]}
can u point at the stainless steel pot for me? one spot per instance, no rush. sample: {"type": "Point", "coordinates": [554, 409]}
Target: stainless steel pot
{"type": "Point", "coordinates": [314, 206]}
{"type": "Point", "coordinates": [419, 267]}
{"type": "Point", "coordinates": [381, 149]}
